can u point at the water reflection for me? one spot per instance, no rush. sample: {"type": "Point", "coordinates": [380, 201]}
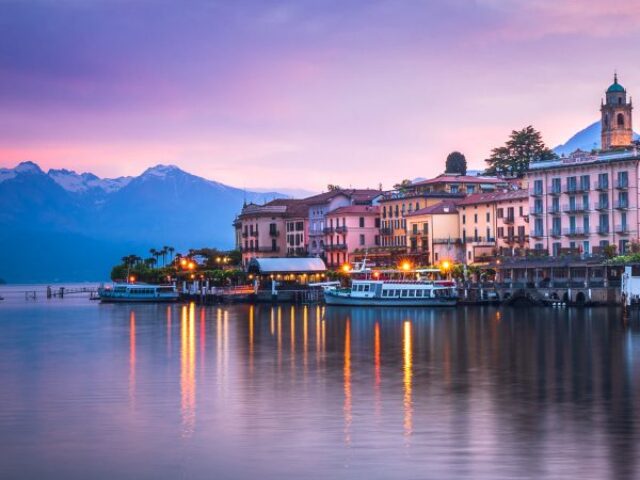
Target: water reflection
{"type": "Point", "coordinates": [407, 349]}
{"type": "Point", "coordinates": [445, 394]}
{"type": "Point", "coordinates": [347, 383]}
{"type": "Point", "coordinates": [187, 369]}
{"type": "Point", "coordinates": [132, 356]}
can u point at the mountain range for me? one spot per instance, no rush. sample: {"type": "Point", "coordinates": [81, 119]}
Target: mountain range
{"type": "Point", "coordinates": [64, 226]}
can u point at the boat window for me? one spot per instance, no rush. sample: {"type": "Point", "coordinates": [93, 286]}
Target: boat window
{"type": "Point", "coordinates": [412, 293]}
{"type": "Point", "coordinates": [366, 288]}
{"type": "Point", "coordinates": [384, 293]}
{"type": "Point", "coordinates": [418, 293]}
{"type": "Point", "coordinates": [404, 293]}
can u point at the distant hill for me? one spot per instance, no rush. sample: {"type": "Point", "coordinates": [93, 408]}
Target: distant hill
{"type": "Point", "coordinates": [65, 226]}
{"type": "Point", "coordinates": [586, 139]}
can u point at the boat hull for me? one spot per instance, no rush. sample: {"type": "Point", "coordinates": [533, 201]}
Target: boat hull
{"type": "Point", "coordinates": [138, 300]}
{"type": "Point", "coordinates": [333, 299]}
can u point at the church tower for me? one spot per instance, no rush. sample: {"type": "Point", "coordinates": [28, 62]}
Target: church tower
{"type": "Point", "coordinates": [616, 117]}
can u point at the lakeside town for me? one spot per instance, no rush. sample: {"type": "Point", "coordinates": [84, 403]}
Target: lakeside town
{"type": "Point", "coordinates": [561, 228]}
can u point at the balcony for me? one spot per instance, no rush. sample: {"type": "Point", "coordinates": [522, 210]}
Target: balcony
{"type": "Point", "coordinates": [534, 212]}
{"type": "Point", "coordinates": [477, 240]}
{"type": "Point", "coordinates": [254, 233]}
{"type": "Point", "coordinates": [622, 229]}
{"type": "Point", "coordinates": [622, 184]}
{"type": "Point", "coordinates": [554, 209]}
{"type": "Point", "coordinates": [446, 241]}
{"type": "Point", "coordinates": [577, 208]}
{"type": "Point", "coordinates": [537, 234]}
{"type": "Point", "coordinates": [602, 186]}
{"type": "Point", "coordinates": [622, 204]}
{"type": "Point", "coordinates": [576, 232]}
{"type": "Point", "coordinates": [510, 239]}
{"type": "Point", "coordinates": [327, 230]}
{"type": "Point", "coordinates": [385, 231]}
{"type": "Point", "coordinates": [555, 232]}
{"type": "Point", "coordinates": [603, 229]}
{"type": "Point", "coordinates": [333, 247]}
{"type": "Point", "coordinates": [571, 189]}
{"type": "Point", "coordinates": [245, 235]}
{"type": "Point", "coordinates": [274, 233]}
{"type": "Point", "coordinates": [554, 190]}
{"type": "Point", "coordinates": [509, 219]}
{"type": "Point", "coordinates": [342, 229]}
{"type": "Point", "coordinates": [602, 206]}
{"type": "Point", "coordinates": [536, 192]}
{"type": "Point", "coordinates": [267, 249]}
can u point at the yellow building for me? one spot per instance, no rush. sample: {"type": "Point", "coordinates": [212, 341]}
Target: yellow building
{"type": "Point", "coordinates": [433, 234]}
{"type": "Point", "coordinates": [494, 224]}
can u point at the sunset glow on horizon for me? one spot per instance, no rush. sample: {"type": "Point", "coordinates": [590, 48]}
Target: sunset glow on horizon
{"type": "Point", "coordinates": [301, 94]}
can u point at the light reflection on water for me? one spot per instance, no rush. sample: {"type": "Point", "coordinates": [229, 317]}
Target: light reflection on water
{"type": "Point", "coordinates": [94, 391]}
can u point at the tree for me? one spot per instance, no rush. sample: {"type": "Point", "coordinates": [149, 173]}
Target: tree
{"type": "Point", "coordinates": [403, 184]}
{"type": "Point", "coordinates": [331, 187]}
{"type": "Point", "coordinates": [523, 147]}
{"type": "Point", "coordinates": [456, 163]}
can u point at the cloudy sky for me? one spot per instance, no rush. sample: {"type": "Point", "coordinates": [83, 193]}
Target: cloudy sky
{"type": "Point", "coordinates": [300, 93]}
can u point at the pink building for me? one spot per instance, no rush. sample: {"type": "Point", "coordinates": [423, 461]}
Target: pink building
{"type": "Point", "coordinates": [276, 229]}
{"type": "Point", "coordinates": [349, 230]}
{"type": "Point", "coordinates": [584, 202]}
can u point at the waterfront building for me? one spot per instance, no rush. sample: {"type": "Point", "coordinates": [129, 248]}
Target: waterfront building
{"type": "Point", "coordinates": [433, 234]}
{"type": "Point", "coordinates": [275, 229]}
{"type": "Point", "coordinates": [586, 201]}
{"type": "Point", "coordinates": [394, 208]}
{"type": "Point", "coordinates": [349, 231]}
{"type": "Point", "coordinates": [320, 205]}
{"type": "Point", "coordinates": [494, 224]}
{"type": "Point", "coordinates": [455, 183]}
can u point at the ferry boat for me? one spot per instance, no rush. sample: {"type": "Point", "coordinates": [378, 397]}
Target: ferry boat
{"type": "Point", "coordinates": [137, 292]}
{"type": "Point", "coordinates": [384, 288]}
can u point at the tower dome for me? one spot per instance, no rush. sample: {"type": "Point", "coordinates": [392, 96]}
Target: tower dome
{"type": "Point", "coordinates": [615, 86]}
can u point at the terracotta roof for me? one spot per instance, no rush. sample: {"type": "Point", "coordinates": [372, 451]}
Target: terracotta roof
{"type": "Point", "coordinates": [460, 179]}
{"type": "Point", "coordinates": [357, 194]}
{"type": "Point", "coordinates": [495, 197]}
{"type": "Point", "coordinates": [362, 209]}
{"type": "Point", "coordinates": [441, 208]}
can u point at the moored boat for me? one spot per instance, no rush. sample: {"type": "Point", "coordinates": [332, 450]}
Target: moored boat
{"type": "Point", "coordinates": [138, 292]}
{"type": "Point", "coordinates": [394, 288]}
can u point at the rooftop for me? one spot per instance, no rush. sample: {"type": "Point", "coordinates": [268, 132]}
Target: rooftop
{"type": "Point", "coordinates": [359, 209]}
{"type": "Point", "coordinates": [448, 178]}
{"type": "Point", "coordinates": [495, 197]}
{"type": "Point", "coordinates": [442, 208]}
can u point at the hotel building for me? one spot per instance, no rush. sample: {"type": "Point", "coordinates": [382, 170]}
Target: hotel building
{"type": "Point", "coordinates": [586, 201]}
{"type": "Point", "coordinates": [350, 231]}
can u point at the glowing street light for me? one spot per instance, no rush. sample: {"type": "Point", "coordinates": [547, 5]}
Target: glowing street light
{"type": "Point", "coordinates": [406, 266]}
{"type": "Point", "coordinates": [346, 268]}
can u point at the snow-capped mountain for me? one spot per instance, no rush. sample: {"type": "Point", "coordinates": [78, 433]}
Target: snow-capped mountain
{"type": "Point", "coordinates": [48, 221]}
{"type": "Point", "coordinates": [78, 183]}
{"type": "Point", "coordinates": [586, 139]}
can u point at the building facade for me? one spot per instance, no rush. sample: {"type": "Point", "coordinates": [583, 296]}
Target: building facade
{"type": "Point", "coordinates": [616, 119]}
{"type": "Point", "coordinates": [350, 230]}
{"type": "Point", "coordinates": [433, 234]}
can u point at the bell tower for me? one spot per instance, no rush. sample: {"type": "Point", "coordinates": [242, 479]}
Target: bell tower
{"type": "Point", "coordinates": [616, 125]}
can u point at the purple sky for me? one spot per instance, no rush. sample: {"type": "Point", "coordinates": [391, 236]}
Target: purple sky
{"type": "Point", "coordinates": [301, 93]}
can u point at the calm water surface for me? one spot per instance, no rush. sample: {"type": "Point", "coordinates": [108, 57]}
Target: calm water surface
{"type": "Point", "coordinates": [150, 391]}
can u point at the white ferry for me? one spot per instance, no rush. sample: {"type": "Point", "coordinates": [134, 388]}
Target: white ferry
{"type": "Point", "coordinates": [410, 290]}
{"type": "Point", "coordinates": [137, 292]}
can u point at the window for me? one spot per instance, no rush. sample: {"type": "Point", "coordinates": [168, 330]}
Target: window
{"type": "Point", "coordinates": [464, 219]}
{"type": "Point", "coordinates": [500, 213]}
{"type": "Point", "coordinates": [377, 222]}
{"type": "Point", "coordinates": [521, 212]}
{"type": "Point", "coordinates": [500, 232]}
{"type": "Point", "coordinates": [471, 189]}
{"type": "Point", "coordinates": [537, 187]}
{"type": "Point", "coordinates": [361, 239]}
{"type": "Point", "coordinates": [475, 218]}
{"type": "Point", "coordinates": [488, 217]}
{"type": "Point", "coordinates": [361, 222]}
{"type": "Point", "coordinates": [620, 117]}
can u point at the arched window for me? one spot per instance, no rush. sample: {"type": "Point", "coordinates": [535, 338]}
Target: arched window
{"type": "Point", "coordinates": [621, 120]}
{"type": "Point", "coordinates": [606, 120]}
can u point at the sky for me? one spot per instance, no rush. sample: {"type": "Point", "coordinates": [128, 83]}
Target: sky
{"type": "Point", "coordinates": [301, 93]}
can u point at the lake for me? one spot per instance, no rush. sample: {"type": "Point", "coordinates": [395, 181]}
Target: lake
{"type": "Point", "coordinates": [288, 392]}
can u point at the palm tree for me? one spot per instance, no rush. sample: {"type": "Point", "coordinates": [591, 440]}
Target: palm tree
{"type": "Point", "coordinates": [171, 250]}
{"type": "Point", "coordinates": [163, 252]}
